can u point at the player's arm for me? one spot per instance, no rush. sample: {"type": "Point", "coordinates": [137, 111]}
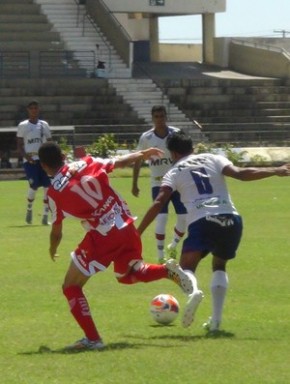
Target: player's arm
{"type": "Point", "coordinates": [136, 171]}
{"type": "Point", "coordinates": [55, 239]}
{"type": "Point", "coordinates": [131, 158]}
{"type": "Point", "coordinates": [21, 150]}
{"type": "Point", "coordinates": [162, 198]}
{"type": "Point", "coordinates": [252, 173]}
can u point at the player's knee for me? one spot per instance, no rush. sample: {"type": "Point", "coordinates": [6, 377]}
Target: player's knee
{"type": "Point", "coordinates": [134, 274]}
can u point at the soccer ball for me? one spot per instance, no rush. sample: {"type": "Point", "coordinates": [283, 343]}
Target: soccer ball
{"type": "Point", "coordinates": [164, 308]}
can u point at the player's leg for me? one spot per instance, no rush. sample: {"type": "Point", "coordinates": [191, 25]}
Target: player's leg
{"type": "Point", "coordinates": [218, 287]}
{"type": "Point", "coordinates": [130, 268]}
{"type": "Point", "coordinates": [44, 181]}
{"type": "Point", "coordinates": [45, 208]}
{"type": "Point", "coordinates": [79, 307]}
{"type": "Point", "coordinates": [160, 227]}
{"type": "Point", "coordinates": [189, 261]}
{"type": "Point", "coordinates": [194, 248]}
{"type": "Point", "coordinates": [180, 226]}
{"type": "Point", "coordinates": [30, 172]}
{"type": "Point", "coordinates": [226, 232]}
{"type": "Point", "coordinates": [84, 264]}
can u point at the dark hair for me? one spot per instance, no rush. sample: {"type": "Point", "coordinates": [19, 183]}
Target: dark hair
{"type": "Point", "coordinates": [158, 108]}
{"type": "Point", "coordinates": [50, 154]}
{"type": "Point", "coordinates": [32, 102]}
{"type": "Point", "coordinates": [180, 143]}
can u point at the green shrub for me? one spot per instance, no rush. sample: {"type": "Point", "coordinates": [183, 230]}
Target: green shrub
{"type": "Point", "coordinates": [105, 146]}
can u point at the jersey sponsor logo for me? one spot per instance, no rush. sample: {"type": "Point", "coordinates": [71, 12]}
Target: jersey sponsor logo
{"type": "Point", "coordinates": [34, 140]}
{"type": "Point", "coordinates": [212, 202]}
{"type": "Point", "coordinates": [61, 181]}
{"type": "Point", "coordinates": [162, 161]}
{"type": "Point", "coordinates": [108, 219]}
{"type": "Point", "coordinates": [223, 221]}
{"type": "Point", "coordinates": [104, 208]}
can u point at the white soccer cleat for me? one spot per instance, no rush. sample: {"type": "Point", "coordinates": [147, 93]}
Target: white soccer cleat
{"type": "Point", "coordinates": [210, 325]}
{"type": "Point", "coordinates": [85, 345]}
{"type": "Point", "coordinates": [191, 308]}
{"type": "Point", "coordinates": [177, 274]}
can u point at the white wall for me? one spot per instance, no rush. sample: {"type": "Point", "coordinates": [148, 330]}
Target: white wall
{"type": "Point", "coordinates": [171, 7]}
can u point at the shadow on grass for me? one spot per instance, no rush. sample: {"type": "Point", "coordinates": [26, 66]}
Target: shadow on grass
{"type": "Point", "coordinates": [208, 335]}
{"type": "Point", "coordinates": [43, 349]}
{"type": "Point", "coordinates": [27, 226]}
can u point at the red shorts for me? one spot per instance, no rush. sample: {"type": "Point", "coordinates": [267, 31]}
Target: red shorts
{"type": "Point", "coordinates": [96, 252]}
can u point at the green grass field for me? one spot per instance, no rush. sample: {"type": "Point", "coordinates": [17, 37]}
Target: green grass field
{"type": "Point", "coordinates": [36, 323]}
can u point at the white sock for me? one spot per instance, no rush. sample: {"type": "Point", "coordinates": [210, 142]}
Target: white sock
{"type": "Point", "coordinates": [160, 249]}
{"type": "Point", "coordinates": [219, 285]}
{"type": "Point", "coordinates": [179, 230]}
{"type": "Point", "coordinates": [30, 198]}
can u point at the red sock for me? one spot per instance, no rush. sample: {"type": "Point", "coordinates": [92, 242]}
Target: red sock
{"type": "Point", "coordinates": [80, 310]}
{"type": "Point", "coordinates": [145, 274]}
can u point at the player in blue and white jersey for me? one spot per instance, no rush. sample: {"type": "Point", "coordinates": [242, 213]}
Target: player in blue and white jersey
{"type": "Point", "coordinates": [156, 137]}
{"type": "Point", "coordinates": [214, 225]}
{"type": "Point", "coordinates": [31, 133]}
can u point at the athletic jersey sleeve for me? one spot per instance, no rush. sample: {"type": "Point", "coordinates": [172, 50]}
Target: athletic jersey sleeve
{"type": "Point", "coordinates": [169, 179]}
{"type": "Point", "coordinates": [221, 162]}
{"type": "Point", "coordinates": [20, 130]}
{"type": "Point", "coordinates": [107, 164]}
{"type": "Point", "coordinates": [142, 143]}
{"type": "Point", "coordinates": [46, 129]}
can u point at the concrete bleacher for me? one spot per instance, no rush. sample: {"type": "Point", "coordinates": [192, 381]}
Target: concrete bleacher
{"type": "Point", "coordinates": [231, 107]}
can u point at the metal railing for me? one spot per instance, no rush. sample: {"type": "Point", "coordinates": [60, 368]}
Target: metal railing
{"type": "Point", "coordinates": [112, 28]}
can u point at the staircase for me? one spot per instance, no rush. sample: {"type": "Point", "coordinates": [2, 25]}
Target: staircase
{"type": "Point", "coordinates": [78, 33]}
{"type": "Point", "coordinates": [81, 35]}
{"type": "Point", "coordinates": [29, 47]}
{"type": "Point", "coordinates": [142, 94]}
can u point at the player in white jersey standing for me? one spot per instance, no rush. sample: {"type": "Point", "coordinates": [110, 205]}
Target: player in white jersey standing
{"type": "Point", "coordinates": [31, 134]}
{"type": "Point", "coordinates": [156, 137]}
{"type": "Point", "coordinates": [214, 225]}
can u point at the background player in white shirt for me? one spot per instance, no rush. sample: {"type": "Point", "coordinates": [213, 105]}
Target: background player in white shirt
{"type": "Point", "coordinates": [31, 134]}
{"type": "Point", "coordinates": [82, 190]}
{"type": "Point", "coordinates": [156, 137]}
{"type": "Point", "coordinates": [214, 225]}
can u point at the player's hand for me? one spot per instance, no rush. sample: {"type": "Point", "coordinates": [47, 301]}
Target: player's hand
{"type": "Point", "coordinates": [150, 152]}
{"type": "Point", "coordinates": [284, 170]}
{"type": "Point", "coordinates": [53, 254]}
{"type": "Point", "coordinates": [29, 158]}
{"type": "Point", "coordinates": [135, 191]}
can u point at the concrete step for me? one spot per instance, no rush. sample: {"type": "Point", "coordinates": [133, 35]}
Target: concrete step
{"type": "Point", "coordinates": [22, 18]}
{"type": "Point", "coordinates": [36, 27]}
{"type": "Point", "coordinates": [244, 119]}
{"type": "Point", "coordinates": [32, 36]}
{"type": "Point", "coordinates": [17, 2]}
{"type": "Point", "coordinates": [21, 8]}
{"type": "Point", "coordinates": [12, 46]}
